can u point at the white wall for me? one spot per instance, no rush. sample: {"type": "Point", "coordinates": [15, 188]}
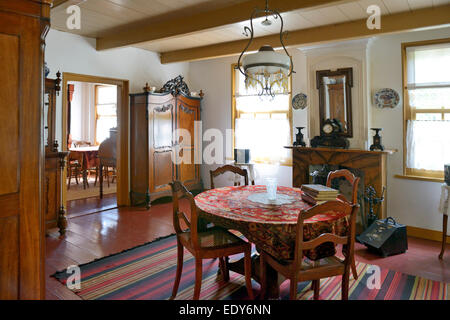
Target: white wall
{"type": "Point", "coordinates": [349, 54]}
{"type": "Point", "coordinates": [414, 203]}
{"type": "Point", "coordinates": [82, 124]}
{"type": "Point", "coordinates": [411, 202]}
{"type": "Point", "coordinates": [71, 53]}
{"type": "Point", "coordinates": [214, 78]}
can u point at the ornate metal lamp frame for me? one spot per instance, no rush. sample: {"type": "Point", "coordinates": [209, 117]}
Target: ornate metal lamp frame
{"type": "Point", "coordinates": [266, 88]}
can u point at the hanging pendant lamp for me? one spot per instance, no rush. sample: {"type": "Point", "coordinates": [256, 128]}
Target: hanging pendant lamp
{"type": "Point", "coordinates": [267, 71]}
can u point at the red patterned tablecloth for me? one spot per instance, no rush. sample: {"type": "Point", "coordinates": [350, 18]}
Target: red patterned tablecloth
{"type": "Point", "coordinates": [272, 228]}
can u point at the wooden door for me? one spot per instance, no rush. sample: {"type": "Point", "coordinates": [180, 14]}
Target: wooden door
{"type": "Point", "coordinates": [161, 110]}
{"type": "Point", "coordinates": [22, 148]}
{"type": "Point", "coordinates": [188, 111]}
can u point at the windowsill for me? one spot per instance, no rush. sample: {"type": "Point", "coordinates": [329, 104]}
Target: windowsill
{"type": "Point", "coordinates": [409, 177]}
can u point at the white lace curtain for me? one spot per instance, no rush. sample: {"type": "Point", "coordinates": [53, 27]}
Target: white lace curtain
{"type": "Point", "coordinates": [266, 138]}
{"type": "Point", "coordinates": [263, 125]}
{"type": "Point", "coordinates": [428, 144]}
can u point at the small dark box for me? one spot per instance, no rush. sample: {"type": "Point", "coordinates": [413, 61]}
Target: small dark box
{"type": "Point", "coordinates": [447, 174]}
{"type": "Point", "coordinates": [242, 155]}
{"type": "Point", "coordinates": [385, 237]}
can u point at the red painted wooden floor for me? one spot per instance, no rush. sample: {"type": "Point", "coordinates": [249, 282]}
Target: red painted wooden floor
{"type": "Point", "coordinates": [81, 207]}
{"type": "Point", "coordinates": [97, 235]}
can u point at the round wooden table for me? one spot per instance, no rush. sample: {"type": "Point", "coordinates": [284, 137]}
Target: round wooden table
{"type": "Point", "coordinates": [271, 227]}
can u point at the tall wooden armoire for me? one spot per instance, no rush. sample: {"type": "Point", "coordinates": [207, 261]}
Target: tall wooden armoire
{"type": "Point", "coordinates": [23, 27]}
{"type": "Point", "coordinates": [154, 118]}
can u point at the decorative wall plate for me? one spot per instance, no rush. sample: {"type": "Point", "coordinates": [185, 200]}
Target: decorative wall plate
{"type": "Point", "coordinates": [300, 101]}
{"type": "Point", "coordinates": [386, 98]}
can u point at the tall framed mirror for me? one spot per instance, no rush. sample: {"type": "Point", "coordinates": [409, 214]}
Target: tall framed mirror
{"type": "Point", "coordinates": [335, 98]}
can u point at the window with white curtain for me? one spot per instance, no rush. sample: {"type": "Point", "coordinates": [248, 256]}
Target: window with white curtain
{"type": "Point", "coordinates": [427, 108]}
{"type": "Point", "coordinates": [106, 111]}
{"type": "Point", "coordinates": [261, 123]}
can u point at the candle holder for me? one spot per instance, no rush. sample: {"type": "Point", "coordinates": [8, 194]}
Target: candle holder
{"type": "Point", "coordinates": [377, 140]}
{"type": "Point", "coordinates": [372, 199]}
{"type": "Point", "coordinates": [299, 142]}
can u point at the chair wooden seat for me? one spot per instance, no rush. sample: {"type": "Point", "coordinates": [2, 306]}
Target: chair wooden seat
{"type": "Point", "coordinates": [325, 263]}
{"type": "Point", "coordinates": [214, 238]}
{"type": "Point", "coordinates": [327, 267]}
{"type": "Point", "coordinates": [212, 243]}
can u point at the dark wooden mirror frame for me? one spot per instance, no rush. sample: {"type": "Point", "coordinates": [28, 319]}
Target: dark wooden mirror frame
{"type": "Point", "coordinates": [348, 73]}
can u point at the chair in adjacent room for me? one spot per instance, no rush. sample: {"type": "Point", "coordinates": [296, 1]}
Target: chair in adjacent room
{"type": "Point", "coordinates": [354, 182]}
{"type": "Point", "coordinates": [74, 167]}
{"type": "Point", "coordinates": [203, 244]}
{"type": "Point", "coordinates": [301, 269]}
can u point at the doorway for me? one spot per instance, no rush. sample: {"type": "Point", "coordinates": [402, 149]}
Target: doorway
{"type": "Point", "coordinates": [95, 131]}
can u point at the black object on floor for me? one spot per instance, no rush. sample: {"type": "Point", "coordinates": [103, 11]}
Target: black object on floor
{"type": "Point", "coordinates": [385, 237]}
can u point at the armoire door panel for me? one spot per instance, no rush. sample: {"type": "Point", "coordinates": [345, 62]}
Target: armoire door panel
{"type": "Point", "coordinates": [162, 119]}
{"type": "Point", "coordinates": [187, 115]}
{"type": "Point", "coordinates": [187, 172]}
{"type": "Point", "coordinates": [162, 170]}
{"type": "Point", "coordinates": [9, 114]}
{"type": "Point", "coordinates": [9, 258]}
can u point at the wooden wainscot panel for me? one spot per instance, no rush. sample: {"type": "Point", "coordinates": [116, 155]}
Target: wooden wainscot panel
{"type": "Point", "coordinates": [9, 258]}
{"type": "Point", "coordinates": [9, 115]}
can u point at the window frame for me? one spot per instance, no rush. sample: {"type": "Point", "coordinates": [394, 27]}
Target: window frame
{"type": "Point", "coordinates": [235, 113]}
{"type": "Point", "coordinates": [96, 111]}
{"type": "Point", "coordinates": [410, 114]}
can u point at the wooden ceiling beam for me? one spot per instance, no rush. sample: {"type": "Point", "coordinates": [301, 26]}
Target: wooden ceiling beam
{"type": "Point", "coordinates": [394, 23]}
{"type": "Point", "coordinates": [57, 3]}
{"type": "Point", "coordinates": [202, 21]}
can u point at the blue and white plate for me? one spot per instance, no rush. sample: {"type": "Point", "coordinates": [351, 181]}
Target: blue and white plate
{"type": "Point", "coordinates": [300, 101]}
{"type": "Point", "coordinates": [386, 98]}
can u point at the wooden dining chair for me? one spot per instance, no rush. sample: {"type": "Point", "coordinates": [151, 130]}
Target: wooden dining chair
{"type": "Point", "coordinates": [228, 168]}
{"type": "Point", "coordinates": [74, 167]}
{"type": "Point", "coordinates": [213, 174]}
{"type": "Point", "coordinates": [209, 244]}
{"type": "Point", "coordinates": [354, 182]}
{"type": "Point", "coordinates": [300, 269]}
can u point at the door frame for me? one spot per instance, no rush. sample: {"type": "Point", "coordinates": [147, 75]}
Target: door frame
{"type": "Point", "coordinates": [123, 184]}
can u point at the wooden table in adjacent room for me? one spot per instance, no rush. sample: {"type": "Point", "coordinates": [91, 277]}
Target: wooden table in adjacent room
{"type": "Point", "coordinates": [271, 227]}
{"type": "Point", "coordinates": [90, 160]}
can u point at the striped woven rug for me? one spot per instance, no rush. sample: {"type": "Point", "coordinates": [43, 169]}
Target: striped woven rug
{"type": "Point", "coordinates": [147, 272]}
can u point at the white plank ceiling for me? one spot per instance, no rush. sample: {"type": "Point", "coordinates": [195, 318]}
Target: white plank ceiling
{"type": "Point", "coordinates": [103, 17]}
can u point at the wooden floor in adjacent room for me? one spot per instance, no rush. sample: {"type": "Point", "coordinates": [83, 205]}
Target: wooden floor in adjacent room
{"type": "Point", "coordinates": [96, 235]}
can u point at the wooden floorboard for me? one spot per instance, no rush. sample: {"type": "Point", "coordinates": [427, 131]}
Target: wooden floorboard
{"type": "Point", "coordinates": [93, 236]}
